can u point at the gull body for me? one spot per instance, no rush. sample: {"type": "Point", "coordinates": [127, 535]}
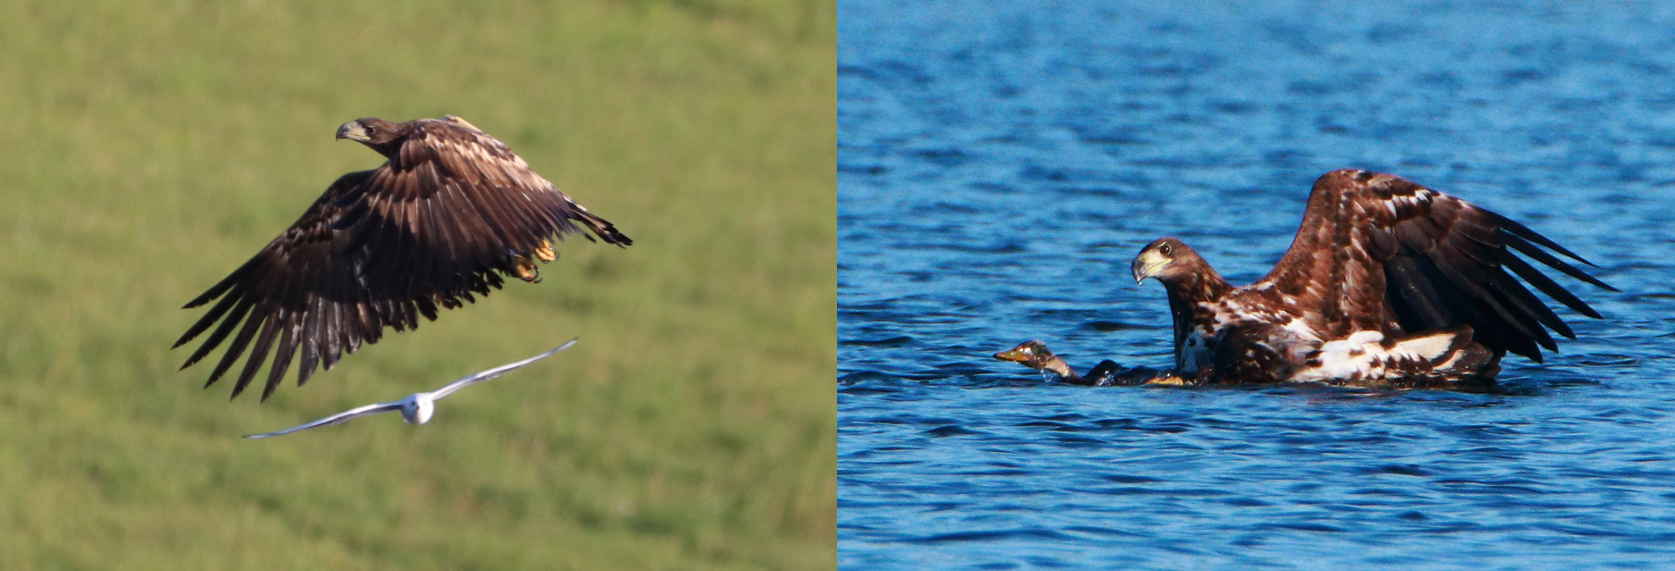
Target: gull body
{"type": "Point", "coordinates": [416, 408]}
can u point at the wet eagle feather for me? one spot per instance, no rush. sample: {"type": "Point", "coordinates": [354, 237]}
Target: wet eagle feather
{"type": "Point", "coordinates": [450, 211]}
{"type": "Point", "coordinates": [1387, 283]}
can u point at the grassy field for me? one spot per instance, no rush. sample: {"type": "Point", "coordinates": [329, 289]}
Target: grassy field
{"type": "Point", "coordinates": [150, 147]}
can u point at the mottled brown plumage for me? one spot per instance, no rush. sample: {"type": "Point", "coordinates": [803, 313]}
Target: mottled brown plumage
{"type": "Point", "coordinates": [1387, 282]}
{"type": "Point", "coordinates": [450, 210]}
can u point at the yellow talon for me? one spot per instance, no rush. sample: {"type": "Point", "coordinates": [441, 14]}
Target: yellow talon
{"type": "Point", "coordinates": [526, 269]}
{"type": "Point", "coordinates": [545, 251]}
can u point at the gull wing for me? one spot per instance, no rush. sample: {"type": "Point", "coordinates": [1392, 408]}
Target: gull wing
{"type": "Point", "coordinates": [495, 372]}
{"type": "Point", "coordinates": [338, 418]}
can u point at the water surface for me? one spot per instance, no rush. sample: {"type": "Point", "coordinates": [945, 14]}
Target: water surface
{"type": "Point", "coordinates": [999, 164]}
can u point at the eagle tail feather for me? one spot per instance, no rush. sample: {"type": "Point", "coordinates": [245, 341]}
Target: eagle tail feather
{"type": "Point", "coordinates": [603, 228]}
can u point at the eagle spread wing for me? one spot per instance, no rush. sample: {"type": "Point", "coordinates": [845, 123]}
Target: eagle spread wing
{"type": "Point", "coordinates": [380, 248]}
{"type": "Point", "coordinates": [1376, 247]}
{"type": "Point", "coordinates": [1386, 280]}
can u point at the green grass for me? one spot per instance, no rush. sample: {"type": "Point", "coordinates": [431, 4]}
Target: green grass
{"type": "Point", "coordinates": [151, 147]}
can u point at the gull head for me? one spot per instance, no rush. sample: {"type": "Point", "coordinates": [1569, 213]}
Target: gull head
{"type": "Point", "coordinates": [417, 408]}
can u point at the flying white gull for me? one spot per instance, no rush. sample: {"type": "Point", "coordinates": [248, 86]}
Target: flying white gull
{"type": "Point", "coordinates": [417, 407]}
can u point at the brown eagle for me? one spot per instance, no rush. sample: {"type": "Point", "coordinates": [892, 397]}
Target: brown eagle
{"type": "Point", "coordinates": [1387, 283]}
{"type": "Point", "coordinates": [450, 210]}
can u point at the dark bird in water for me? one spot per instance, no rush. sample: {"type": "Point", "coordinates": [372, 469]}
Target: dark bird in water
{"type": "Point", "coordinates": [449, 212]}
{"type": "Point", "coordinates": [1035, 355]}
{"type": "Point", "coordinates": [1387, 283]}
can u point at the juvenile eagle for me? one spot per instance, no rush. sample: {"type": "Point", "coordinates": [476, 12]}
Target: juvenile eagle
{"type": "Point", "coordinates": [450, 208]}
{"type": "Point", "coordinates": [1387, 282]}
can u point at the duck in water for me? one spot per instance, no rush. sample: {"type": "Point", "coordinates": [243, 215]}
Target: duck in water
{"type": "Point", "coordinates": [1035, 355]}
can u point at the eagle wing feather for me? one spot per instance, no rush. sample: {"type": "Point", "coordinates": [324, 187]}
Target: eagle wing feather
{"type": "Point", "coordinates": [454, 205]}
{"type": "Point", "coordinates": [300, 288]}
{"type": "Point", "coordinates": [382, 248]}
{"type": "Point", "coordinates": [1434, 262]}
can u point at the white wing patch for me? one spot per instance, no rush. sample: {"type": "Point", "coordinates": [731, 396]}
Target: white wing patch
{"type": "Point", "coordinates": [1364, 356]}
{"type": "Point", "coordinates": [1300, 327]}
{"type": "Point", "coordinates": [1232, 311]}
{"type": "Point", "coordinates": [1420, 199]}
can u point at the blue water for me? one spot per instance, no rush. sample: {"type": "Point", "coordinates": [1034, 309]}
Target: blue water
{"type": "Point", "coordinates": [999, 164]}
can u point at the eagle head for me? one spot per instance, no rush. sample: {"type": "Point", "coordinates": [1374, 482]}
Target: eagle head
{"type": "Point", "coordinates": [1164, 259]}
{"type": "Point", "coordinates": [371, 131]}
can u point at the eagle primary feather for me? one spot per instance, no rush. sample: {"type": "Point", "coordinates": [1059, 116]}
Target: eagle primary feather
{"type": "Point", "coordinates": [1386, 281]}
{"type": "Point", "coordinates": [451, 210]}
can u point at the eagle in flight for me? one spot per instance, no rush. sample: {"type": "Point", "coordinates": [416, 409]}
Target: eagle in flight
{"type": "Point", "coordinates": [1387, 283]}
{"type": "Point", "coordinates": [449, 212]}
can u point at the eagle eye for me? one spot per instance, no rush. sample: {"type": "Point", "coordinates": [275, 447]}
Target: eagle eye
{"type": "Point", "coordinates": [371, 130]}
{"type": "Point", "coordinates": [1164, 249]}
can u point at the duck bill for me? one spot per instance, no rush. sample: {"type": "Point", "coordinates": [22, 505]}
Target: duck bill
{"type": "Point", "coordinates": [1025, 352]}
{"type": "Point", "coordinates": [1014, 355]}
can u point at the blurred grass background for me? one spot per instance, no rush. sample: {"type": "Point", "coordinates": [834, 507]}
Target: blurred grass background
{"type": "Point", "coordinates": [150, 147]}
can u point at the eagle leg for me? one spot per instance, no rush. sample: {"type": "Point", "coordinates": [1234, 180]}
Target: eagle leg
{"type": "Point", "coordinates": [545, 251]}
{"type": "Point", "coordinates": [525, 268]}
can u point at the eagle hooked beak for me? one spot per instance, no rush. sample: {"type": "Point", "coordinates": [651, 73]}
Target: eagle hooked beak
{"type": "Point", "coordinates": [1147, 265]}
{"type": "Point", "coordinates": [352, 131]}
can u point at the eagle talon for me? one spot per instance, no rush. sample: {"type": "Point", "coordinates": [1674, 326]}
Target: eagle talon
{"type": "Point", "coordinates": [545, 252]}
{"type": "Point", "coordinates": [526, 269]}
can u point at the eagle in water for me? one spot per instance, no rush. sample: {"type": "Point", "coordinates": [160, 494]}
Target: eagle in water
{"type": "Point", "coordinates": [1387, 283]}
{"type": "Point", "coordinates": [449, 212]}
